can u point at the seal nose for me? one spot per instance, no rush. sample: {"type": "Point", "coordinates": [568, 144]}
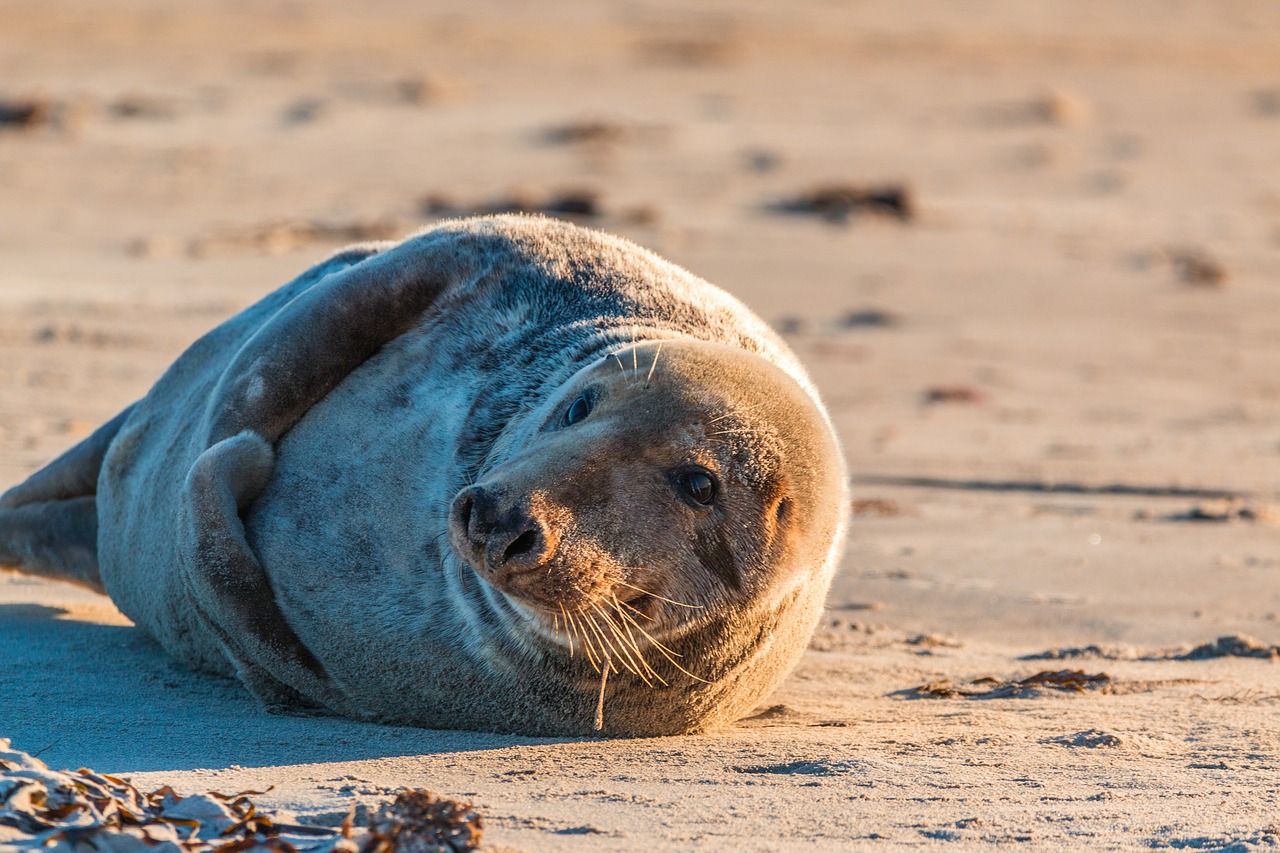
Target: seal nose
{"type": "Point", "coordinates": [496, 537]}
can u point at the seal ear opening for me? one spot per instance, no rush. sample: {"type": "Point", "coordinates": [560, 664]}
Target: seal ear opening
{"type": "Point", "coordinates": [782, 510]}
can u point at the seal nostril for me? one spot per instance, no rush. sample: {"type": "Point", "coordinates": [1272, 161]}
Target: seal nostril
{"type": "Point", "coordinates": [523, 544]}
{"type": "Point", "coordinates": [464, 512]}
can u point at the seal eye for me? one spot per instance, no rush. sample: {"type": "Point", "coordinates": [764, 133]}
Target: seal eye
{"type": "Point", "coordinates": [699, 487]}
{"type": "Point", "coordinates": [578, 410]}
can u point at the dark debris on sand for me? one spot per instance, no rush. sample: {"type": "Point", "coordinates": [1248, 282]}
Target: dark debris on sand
{"type": "Point", "coordinates": [1233, 645]}
{"type": "Point", "coordinates": [1090, 651]}
{"type": "Point", "coordinates": [966, 394]}
{"type": "Point", "coordinates": [840, 203]}
{"type": "Point", "coordinates": [27, 113]}
{"type": "Point", "coordinates": [1198, 268]}
{"type": "Point", "coordinates": [1226, 510]}
{"type": "Point", "coordinates": [987, 687]}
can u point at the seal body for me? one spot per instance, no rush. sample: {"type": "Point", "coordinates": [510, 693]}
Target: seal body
{"type": "Point", "coordinates": [487, 478]}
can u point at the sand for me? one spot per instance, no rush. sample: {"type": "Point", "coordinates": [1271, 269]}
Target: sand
{"type": "Point", "coordinates": [1055, 369]}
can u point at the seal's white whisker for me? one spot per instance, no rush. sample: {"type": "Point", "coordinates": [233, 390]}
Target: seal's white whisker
{"type": "Point", "coordinates": [629, 651]}
{"type": "Point", "coordinates": [570, 634]}
{"type": "Point", "coordinates": [621, 651]}
{"type": "Point", "coordinates": [667, 653]}
{"type": "Point", "coordinates": [654, 641]}
{"type": "Point", "coordinates": [632, 609]}
{"type": "Point", "coordinates": [586, 644]}
{"type": "Point", "coordinates": [653, 366]}
{"type": "Point", "coordinates": [682, 669]}
{"type": "Point", "coordinates": [590, 622]}
{"type": "Point", "coordinates": [735, 411]}
{"type": "Point", "coordinates": [621, 366]}
{"type": "Point", "coordinates": [659, 597]}
{"type": "Point", "coordinates": [604, 677]}
{"type": "Point", "coordinates": [631, 638]}
{"type": "Point", "coordinates": [607, 645]}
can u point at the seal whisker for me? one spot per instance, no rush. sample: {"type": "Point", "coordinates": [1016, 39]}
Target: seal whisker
{"type": "Point", "coordinates": [659, 597]}
{"type": "Point", "coordinates": [586, 645]}
{"type": "Point", "coordinates": [572, 628]}
{"type": "Point", "coordinates": [632, 609]}
{"type": "Point", "coordinates": [654, 365]}
{"type": "Point", "coordinates": [735, 411]}
{"type": "Point", "coordinates": [655, 642]}
{"type": "Point", "coordinates": [568, 635]}
{"type": "Point", "coordinates": [635, 644]}
{"type": "Point", "coordinates": [581, 637]}
{"type": "Point", "coordinates": [604, 677]}
{"type": "Point", "coordinates": [619, 648]}
{"type": "Point", "coordinates": [667, 653]}
{"type": "Point", "coordinates": [607, 645]}
{"type": "Point", "coordinates": [587, 620]}
{"type": "Point", "coordinates": [629, 652]}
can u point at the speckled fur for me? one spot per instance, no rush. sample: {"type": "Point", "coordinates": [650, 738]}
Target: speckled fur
{"type": "Point", "coordinates": [344, 503]}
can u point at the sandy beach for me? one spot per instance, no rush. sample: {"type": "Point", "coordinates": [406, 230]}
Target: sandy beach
{"type": "Point", "coordinates": [1030, 252]}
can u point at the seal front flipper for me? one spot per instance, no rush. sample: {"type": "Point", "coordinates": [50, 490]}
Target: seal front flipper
{"type": "Point", "coordinates": [227, 585]}
{"type": "Point", "coordinates": [284, 369]}
{"type": "Point", "coordinates": [49, 522]}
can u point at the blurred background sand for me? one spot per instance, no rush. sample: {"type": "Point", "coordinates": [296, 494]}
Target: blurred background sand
{"type": "Point", "coordinates": [1029, 250]}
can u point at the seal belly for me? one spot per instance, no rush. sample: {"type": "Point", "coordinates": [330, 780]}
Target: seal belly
{"type": "Point", "coordinates": [349, 529]}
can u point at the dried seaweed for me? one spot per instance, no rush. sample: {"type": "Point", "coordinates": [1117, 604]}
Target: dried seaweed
{"type": "Point", "coordinates": [42, 809]}
{"type": "Point", "coordinates": [1232, 645]}
{"type": "Point", "coordinates": [418, 822]}
{"type": "Point", "coordinates": [839, 203]}
{"type": "Point", "coordinates": [28, 113]}
{"type": "Point", "coordinates": [1226, 511]}
{"type": "Point", "coordinates": [1066, 680]}
{"type": "Point", "coordinates": [955, 394]}
{"type": "Point", "coordinates": [1198, 268]}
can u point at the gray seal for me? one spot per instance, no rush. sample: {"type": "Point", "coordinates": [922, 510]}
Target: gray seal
{"type": "Point", "coordinates": [508, 474]}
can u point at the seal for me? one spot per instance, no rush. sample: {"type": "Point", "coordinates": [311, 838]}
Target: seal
{"type": "Point", "coordinates": [508, 474]}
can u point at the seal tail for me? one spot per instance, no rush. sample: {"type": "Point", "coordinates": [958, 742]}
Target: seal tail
{"type": "Point", "coordinates": [49, 523]}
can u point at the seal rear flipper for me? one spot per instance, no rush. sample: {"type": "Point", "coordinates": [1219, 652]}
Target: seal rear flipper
{"type": "Point", "coordinates": [74, 474]}
{"type": "Point", "coordinates": [53, 539]}
{"type": "Point", "coordinates": [49, 522]}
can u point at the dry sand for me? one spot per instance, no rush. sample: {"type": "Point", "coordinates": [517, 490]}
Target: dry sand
{"type": "Point", "coordinates": [1057, 377]}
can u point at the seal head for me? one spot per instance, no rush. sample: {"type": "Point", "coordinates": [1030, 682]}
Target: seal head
{"type": "Point", "coordinates": [669, 509]}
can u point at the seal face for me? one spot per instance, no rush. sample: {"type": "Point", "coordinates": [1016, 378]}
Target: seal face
{"type": "Point", "coordinates": [509, 475]}
{"type": "Point", "coordinates": [658, 482]}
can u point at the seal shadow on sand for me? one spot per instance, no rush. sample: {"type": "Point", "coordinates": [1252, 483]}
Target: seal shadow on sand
{"type": "Point", "coordinates": [83, 694]}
